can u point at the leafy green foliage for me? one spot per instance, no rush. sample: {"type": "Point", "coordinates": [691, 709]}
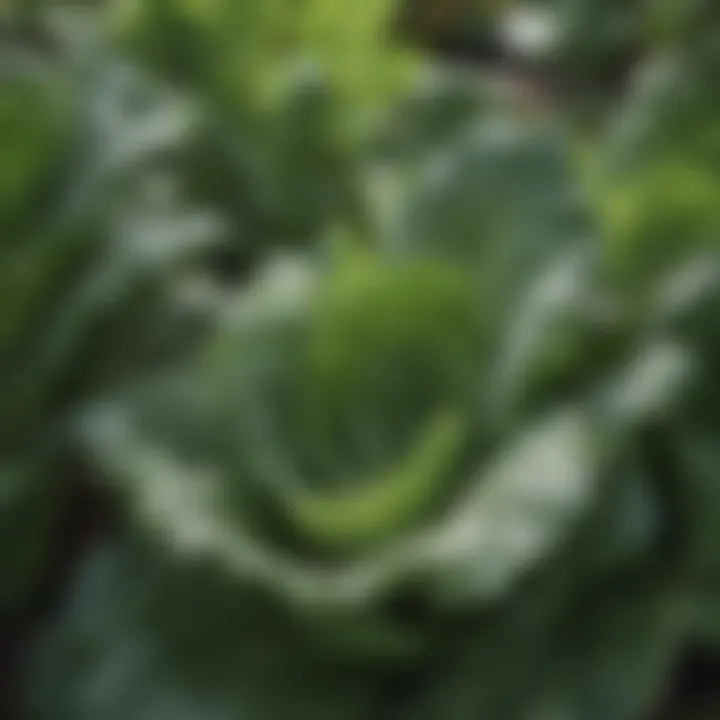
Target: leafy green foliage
{"type": "Point", "coordinates": [404, 407]}
{"type": "Point", "coordinates": [663, 161]}
{"type": "Point", "coordinates": [290, 92]}
{"type": "Point", "coordinates": [342, 449]}
{"type": "Point", "coordinates": [79, 279]}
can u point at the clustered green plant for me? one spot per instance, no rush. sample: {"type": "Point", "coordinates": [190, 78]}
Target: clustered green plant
{"type": "Point", "coordinates": [403, 394]}
{"type": "Point", "coordinates": [81, 289]}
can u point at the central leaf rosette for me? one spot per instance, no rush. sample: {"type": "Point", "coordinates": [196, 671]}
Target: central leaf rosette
{"type": "Point", "coordinates": [339, 438]}
{"type": "Point", "coordinates": [353, 413]}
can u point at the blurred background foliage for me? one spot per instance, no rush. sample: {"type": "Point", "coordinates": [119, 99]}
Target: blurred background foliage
{"type": "Point", "coordinates": [282, 281]}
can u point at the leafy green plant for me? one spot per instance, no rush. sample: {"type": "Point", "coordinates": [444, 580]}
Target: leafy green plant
{"type": "Point", "coordinates": [450, 454]}
{"type": "Point", "coordinates": [290, 94]}
{"type": "Point", "coordinates": [81, 281]}
{"type": "Point", "coordinates": [374, 492]}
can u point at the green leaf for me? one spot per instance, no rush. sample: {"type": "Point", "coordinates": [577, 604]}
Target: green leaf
{"type": "Point", "coordinates": [503, 198]}
{"type": "Point", "coordinates": [28, 516]}
{"type": "Point", "coordinates": [699, 492]}
{"type": "Point", "coordinates": [542, 656]}
{"type": "Point", "coordinates": [518, 512]}
{"type": "Point", "coordinates": [385, 504]}
{"type": "Point", "coordinates": [660, 160]}
{"type": "Point", "coordinates": [140, 639]}
{"type": "Point", "coordinates": [615, 657]}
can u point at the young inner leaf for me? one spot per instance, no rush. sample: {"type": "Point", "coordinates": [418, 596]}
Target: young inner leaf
{"type": "Point", "coordinates": [384, 505]}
